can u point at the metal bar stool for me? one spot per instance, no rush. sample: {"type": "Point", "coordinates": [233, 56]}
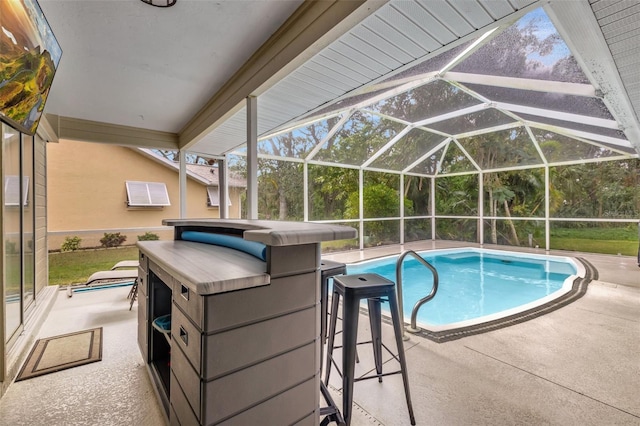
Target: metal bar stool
{"type": "Point", "coordinates": [328, 269]}
{"type": "Point", "coordinates": [354, 288]}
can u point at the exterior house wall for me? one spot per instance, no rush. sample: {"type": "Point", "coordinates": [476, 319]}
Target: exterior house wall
{"type": "Point", "coordinates": [87, 194]}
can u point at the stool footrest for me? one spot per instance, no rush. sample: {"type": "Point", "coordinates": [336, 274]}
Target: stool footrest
{"type": "Point", "coordinates": [331, 412]}
{"type": "Point", "coordinates": [376, 376]}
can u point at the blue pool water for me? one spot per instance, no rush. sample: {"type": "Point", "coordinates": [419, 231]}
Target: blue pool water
{"type": "Point", "coordinates": [475, 285]}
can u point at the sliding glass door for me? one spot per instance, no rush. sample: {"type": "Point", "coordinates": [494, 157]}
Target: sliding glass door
{"type": "Point", "coordinates": [28, 223]}
{"type": "Point", "coordinates": [17, 228]}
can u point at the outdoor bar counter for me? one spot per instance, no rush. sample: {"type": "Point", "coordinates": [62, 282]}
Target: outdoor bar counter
{"type": "Point", "coordinates": [229, 320]}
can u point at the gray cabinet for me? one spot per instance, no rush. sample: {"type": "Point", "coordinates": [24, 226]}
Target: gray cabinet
{"type": "Point", "coordinates": [243, 347]}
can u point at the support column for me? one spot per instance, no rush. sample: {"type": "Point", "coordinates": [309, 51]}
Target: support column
{"type": "Point", "coordinates": [223, 188]}
{"type": "Point", "coordinates": [182, 183]}
{"type": "Point", "coordinates": [433, 208]}
{"type": "Point", "coordinates": [481, 208]}
{"type": "Point", "coordinates": [305, 190]}
{"type": "Point", "coordinates": [361, 207]}
{"type": "Point", "coordinates": [252, 157]}
{"type": "Point", "coordinates": [547, 224]}
{"type": "Point", "coordinates": [401, 208]}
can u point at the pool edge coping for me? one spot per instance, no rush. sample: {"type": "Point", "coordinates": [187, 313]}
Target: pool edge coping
{"type": "Point", "coordinates": [578, 289]}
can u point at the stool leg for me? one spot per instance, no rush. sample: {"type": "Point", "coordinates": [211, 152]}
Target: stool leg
{"type": "Point", "coordinates": [375, 320]}
{"type": "Point", "coordinates": [324, 295]}
{"type": "Point", "coordinates": [350, 312]}
{"type": "Point", "coordinates": [335, 300]}
{"type": "Point", "coordinates": [397, 328]}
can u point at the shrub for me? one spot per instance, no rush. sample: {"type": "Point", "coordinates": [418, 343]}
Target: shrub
{"type": "Point", "coordinates": [11, 247]}
{"type": "Point", "coordinates": [114, 239]}
{"type": "Point", "coordinates": [71, 243]}
{"type": "Point", "coordinates": [148, 236]}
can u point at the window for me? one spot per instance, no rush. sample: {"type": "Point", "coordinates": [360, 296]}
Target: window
{"type": "Point", "coordinates": [147, 194]}
{"type": "Point", "coordinates": [213, 196]}
{"type": "Point", "coordinates": [12, 190]}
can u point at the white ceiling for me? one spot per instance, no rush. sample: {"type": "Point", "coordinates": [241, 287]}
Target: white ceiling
{"type": "Point", "coordinates": [129, 64]}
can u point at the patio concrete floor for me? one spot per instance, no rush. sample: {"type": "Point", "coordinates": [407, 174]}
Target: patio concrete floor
{"type": "Point", "coordinates": [578, 365]}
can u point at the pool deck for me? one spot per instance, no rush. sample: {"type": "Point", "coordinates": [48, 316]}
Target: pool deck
{"type": "Point", "coordinates": [578, 365]}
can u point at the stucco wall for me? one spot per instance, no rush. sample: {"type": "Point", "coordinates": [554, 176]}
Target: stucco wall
{"type": "Point", "coordinates": [86, 193]}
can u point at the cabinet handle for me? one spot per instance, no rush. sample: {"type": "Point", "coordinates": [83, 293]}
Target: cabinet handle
{"type": "Point", "coordinates": [184, 292]}
{"type": "Point", "coordinates": [184, 336]}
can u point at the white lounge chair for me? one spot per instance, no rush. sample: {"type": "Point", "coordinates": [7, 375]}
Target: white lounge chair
{"type": "Point", "coordinates": [116, 274]}
{"type": "Point", "coordinates": [126, 264]}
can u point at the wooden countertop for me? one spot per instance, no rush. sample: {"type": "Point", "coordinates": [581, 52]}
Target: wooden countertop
{"type": "Point", "coordinates": [272, 232]}
{"type": "Point", "coordinates": [207, 269]}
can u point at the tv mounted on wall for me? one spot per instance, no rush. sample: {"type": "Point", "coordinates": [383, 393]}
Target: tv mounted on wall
{"type": "Point", "coordinates": [29, 57]}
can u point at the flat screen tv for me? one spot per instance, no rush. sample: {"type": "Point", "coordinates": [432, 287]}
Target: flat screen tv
{"type": "Point", "coordinates": [29, 57]}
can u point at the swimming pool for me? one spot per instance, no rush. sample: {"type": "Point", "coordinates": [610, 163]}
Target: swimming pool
{"type": "Point", "coordinates": [477, 285]}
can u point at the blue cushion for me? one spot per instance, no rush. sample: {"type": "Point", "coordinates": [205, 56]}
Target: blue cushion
{"type": "Point", "coordinates": [253, 248]}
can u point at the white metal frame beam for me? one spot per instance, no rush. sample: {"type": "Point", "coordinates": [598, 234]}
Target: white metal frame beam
{"type": "Point", "coordinates": [580, 134]}
{"type": "Point", "coordinates": [558, 115]}
{"type": "Point", "coordinates": [576, 89]}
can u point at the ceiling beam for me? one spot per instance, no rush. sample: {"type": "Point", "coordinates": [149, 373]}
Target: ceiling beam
{"type": "Point", "coordinates": [313, 26]}
{"type": "Point", "coordinates": [94, 131]}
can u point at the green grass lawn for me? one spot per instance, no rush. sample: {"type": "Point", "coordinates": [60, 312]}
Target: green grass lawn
{"type": "Point", "coordinates": [627, 248]}
{"type": "Point", "coordinates": [623, 240]}
{"type": "Point", "coordinates": [626, 233]}
{"type": "Point", "coordinates": [76, 266]}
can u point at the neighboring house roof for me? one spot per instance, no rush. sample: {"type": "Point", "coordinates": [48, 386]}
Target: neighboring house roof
{"type": "Point", "coordinates": [205, 174]}
{"type": "Point", "coordinates": [210, 174]}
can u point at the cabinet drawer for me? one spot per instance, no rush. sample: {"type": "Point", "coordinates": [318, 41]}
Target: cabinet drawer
{"type": "Point", "coordinates": [256, 342]}
{"type": "Point", "coordinates": [187, 336]}
{"type": "Point", "coordinates": [190, 302]}
{"type": "Point", "coordinates": [142, 282]}
{"type": "Point", "coordinates": [281, 296]}
{"type": "Point", "coordinates": [181, 412]}
{"type": "Point", "coordinates": [143, 305]}
{"type": "Point", "coordinates": [298, 402]}
{"type": "Point", "coordinates": [173, 418]}
{"type": "Point", "coordinates": [143, 340]}
{"type": "Point", "coordinates": [143, 336]}
{"type": "Point", "coordinates": [189, 380]}
{"type": "Point", "coordinates": [143, 261]}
